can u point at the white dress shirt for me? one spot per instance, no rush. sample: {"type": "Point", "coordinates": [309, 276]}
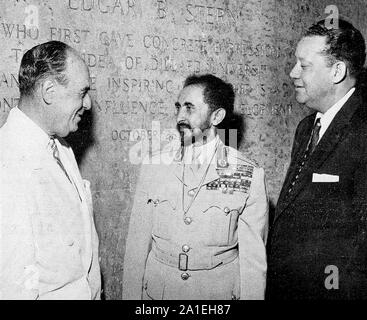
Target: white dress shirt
{"type": "Point", "coordinates": [327, 117]}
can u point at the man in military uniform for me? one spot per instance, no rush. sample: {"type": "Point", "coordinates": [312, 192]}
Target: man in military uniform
{"type": "Point", "coordinates": [199, 223]}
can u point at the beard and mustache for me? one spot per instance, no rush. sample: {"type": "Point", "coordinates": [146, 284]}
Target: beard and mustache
{"type": "Point", "coordinates": [190, 135]}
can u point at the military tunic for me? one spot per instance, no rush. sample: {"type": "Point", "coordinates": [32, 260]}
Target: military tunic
{"type": "Point", "coordinates": [198, 233]}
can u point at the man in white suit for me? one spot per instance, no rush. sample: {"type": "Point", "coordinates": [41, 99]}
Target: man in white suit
{"type": "Point", "coordinates": [48, 241]}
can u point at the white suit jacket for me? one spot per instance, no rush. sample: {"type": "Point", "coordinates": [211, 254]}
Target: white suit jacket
{"type": "Point", "coordinates": [48, 242]}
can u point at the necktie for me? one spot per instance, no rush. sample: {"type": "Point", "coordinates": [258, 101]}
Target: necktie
{"type": "Point", "coordinates": [56, 155]}
{"type": "Point", "coordinates": [315, 135]}
{"type": "Point", "coordinates": [310, 148]}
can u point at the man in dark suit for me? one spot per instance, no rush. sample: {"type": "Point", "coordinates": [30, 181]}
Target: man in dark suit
{"type": "Point", "coordinates": [317, 243]}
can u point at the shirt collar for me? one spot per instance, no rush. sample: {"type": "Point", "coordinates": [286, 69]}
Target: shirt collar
{"type": "Point", "coordinates": [200, 154]}
{"type": "Point", "coordinates": [328, 116]}
{"type": "Point", "coordinates": [205, 151]}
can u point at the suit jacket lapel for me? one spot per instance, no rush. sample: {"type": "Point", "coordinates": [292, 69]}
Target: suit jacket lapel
{"type": "Point", "coordinates": [335, 133]}
{"type": "Point", "coordinates": [73, 170]}
{"type": "Point", "coordinates": [337, 130]}
{"type": "Point", "coordinates": [284, 199]}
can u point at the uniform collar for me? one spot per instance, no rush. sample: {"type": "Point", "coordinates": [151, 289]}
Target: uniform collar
{"type": "Point", "coordinates": [200, 154]}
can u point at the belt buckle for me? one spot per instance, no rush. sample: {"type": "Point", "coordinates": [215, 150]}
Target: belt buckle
{"type": "Point", "coordinates": [183, 259]}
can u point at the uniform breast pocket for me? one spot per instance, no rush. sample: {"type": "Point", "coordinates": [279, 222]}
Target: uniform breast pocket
{"type": "Point", "coordinates": [163, 214]}
{"type": "Point", "coordinates": [220, 223]}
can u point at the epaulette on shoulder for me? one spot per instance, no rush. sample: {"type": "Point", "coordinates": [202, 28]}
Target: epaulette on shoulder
{"type": "Point", "coordinates": [245, 160]}
{"type": "Point", "coordinates": [229, 155]}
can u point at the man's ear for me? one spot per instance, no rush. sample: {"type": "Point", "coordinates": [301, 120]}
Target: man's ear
{"type": "Point", "coordinates": [47, 88]}
{"type": "Point", "coordinates": [218, 116]}
{"type": "Point", "coordinates": [339, 71]}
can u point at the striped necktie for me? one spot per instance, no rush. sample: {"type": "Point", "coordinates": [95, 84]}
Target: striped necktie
{"type": "Point", "coordinates": [56, 155]}
{"type": "Point", "coordinates": [310, 148]}
{"type": "Point", "coordinates": [315, 135]}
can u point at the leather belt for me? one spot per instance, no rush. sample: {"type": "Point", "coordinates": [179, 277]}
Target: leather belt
{"type": "Point", "coordinates": [196, 259]}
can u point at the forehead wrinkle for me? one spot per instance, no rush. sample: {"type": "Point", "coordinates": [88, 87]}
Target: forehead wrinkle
{"type": "Point", "coordinates": [306, 57]}
{"type": "Point", "coordinates": [315, 44]}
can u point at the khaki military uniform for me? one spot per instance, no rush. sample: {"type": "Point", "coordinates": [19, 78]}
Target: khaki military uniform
{"type": "Point", "coordinates": [198, 233]}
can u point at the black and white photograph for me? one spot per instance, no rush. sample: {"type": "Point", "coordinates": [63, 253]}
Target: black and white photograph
{"type": "Point", "coordinates": [192, 151]}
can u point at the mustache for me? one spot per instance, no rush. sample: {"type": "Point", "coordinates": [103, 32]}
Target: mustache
{"type": "Point", "coordinates": [183, 125]}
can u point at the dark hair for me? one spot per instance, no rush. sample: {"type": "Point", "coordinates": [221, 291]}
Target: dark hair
{"type": "Point", "coordinates": [41, 61]}
{"type": "Point", "coordinates": [343, 42]}
{"type": "Point", "coordinates": [217, 93]}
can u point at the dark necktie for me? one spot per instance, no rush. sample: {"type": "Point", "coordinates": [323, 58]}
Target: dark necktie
{"type": "Point", "coordinates": [315, 136]}
{"type": "Point", "coordinates": [310, 148]}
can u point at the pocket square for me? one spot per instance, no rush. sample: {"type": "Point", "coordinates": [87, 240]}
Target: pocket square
{"type": "Point", "coordinates": [323, 177]}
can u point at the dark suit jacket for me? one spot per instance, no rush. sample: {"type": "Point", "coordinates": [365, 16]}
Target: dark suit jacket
{"type": "Point", "coordinates": [320, 224]}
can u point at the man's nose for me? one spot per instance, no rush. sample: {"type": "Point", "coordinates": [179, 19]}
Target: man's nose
{"type": "Point", "coordinates": [181, 114]}
{"type": "Point", "coordinates": [87, 102]}
{"type": "Point", "coordinates": [295, 72]}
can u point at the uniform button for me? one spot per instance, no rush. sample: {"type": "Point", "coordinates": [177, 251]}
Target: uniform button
{"type": "Point", "coordinates": [185, 248]}
{"type": "Point", "coordinates": [191, 192]}
{"type": "Point", "coordinates": [188, 220]}
{"type": "Point", "coordinates": [303, 163]}
{"type": "Point", "coordinates": [289, 190]}
{"type": "Point", "coordinates": [185, 276]}
{"type": "Point", "coordinates": [223, 163]}
{"type": "Point", "coordinates": [293, 183]}
{"type": "Point", "coordinates": [297, 176]}
{"type": "Point", "coordinates": [226, 210]}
